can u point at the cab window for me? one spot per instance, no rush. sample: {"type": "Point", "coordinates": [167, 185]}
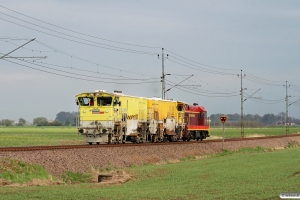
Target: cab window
{"type": "Point", "coordinates": [202, 114]}
{"type": "Point", "coordinates": [104, 101]}
{"type": "Point", "coordinates": [179, 107]}
{"type": "Point", "coordinates": [86, 101]}
{"type": "Point", "coordinates": [116, 101]}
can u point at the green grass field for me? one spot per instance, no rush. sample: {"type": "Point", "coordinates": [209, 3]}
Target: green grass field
{"type": "Point", "coordinates": [250, 132]}
{"type": "Point", "coordinates": [35, 135]}
{"type": "Point", "coordinates": [247, 174]}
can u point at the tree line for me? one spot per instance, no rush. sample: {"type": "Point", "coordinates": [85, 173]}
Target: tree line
{"type": "Point", "coordinates": [253, 120]}
{"type": "Point", "coordinates": [69, 119]}
{"type": "Point", "coordinates": [61, 119]}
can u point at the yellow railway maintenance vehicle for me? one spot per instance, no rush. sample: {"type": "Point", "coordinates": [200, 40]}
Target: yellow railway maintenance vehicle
{"type": "Point", "coordinates": [165, 119]}
{"type": "Point", "coordinates": [111, 117]}
{"type": "Point", "coordinates": [116, 118]}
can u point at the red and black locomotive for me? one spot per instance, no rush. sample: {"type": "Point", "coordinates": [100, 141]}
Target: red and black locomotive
{"type": "Point", "coordinates": [196, 123]}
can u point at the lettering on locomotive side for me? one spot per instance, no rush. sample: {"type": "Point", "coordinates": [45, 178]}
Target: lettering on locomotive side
{"type": "Point", "coordinates": [133, 116]}
{"type": "Point", "coordinates": [192, 115]}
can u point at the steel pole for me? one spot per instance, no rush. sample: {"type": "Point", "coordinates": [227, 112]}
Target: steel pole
{"type": "Point", "coordinates": [242, 101]}
{"type": "Point", "coordinates": [223, 137]}
{"type": "Point", "coordinates": [163, 75]}
{"type": "Point", "coordinates": [287, 110]}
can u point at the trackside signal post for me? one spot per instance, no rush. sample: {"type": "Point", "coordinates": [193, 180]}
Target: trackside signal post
{"type": "Point", "coordinates": [223, 120]}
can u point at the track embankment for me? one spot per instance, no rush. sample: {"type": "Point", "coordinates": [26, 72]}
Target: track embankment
{"type": "Point", "coordinates": [60, 159]}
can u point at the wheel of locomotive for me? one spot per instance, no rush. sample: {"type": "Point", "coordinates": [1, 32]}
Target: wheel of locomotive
{"type": "Point", "coordinates": [133, 139]}
{"type": "Point", "coordinates": [153, 138]}
{"type": "Point", "coordinates": [197, 139]}
{"type": "Point", "coordinates": [171, 138]}
{"type": "Point", "coordinates": [110, 140]}
{"type": "Point", "coordinates": [97, 143]}
{"type": "Point", "coordinates": [184, 139]}
{"type": "Point", "coordinates": [90, 143]}
{"type": "Point", "coordinates": [137, 141]}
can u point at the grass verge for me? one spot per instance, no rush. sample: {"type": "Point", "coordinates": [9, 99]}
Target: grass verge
{"type": "Point", "coordinates": [14, 171]}
{"type": "Point", "coordinates": [246, 174]}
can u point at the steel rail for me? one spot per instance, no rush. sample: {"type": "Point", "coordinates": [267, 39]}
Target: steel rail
{"type": "Point", "coordinates": [39, 148]}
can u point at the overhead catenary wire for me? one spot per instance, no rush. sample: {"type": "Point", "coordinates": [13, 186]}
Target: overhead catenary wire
{"type": "Point", "coordinates": [251, 78]}
{"type": "Point", "coordinates": [196, 89]}
{"type": "Point", "coordinates": [17, 48]}
{"type": "Point", "coordinates": [85, 60]}
{"type": "Point", "coordinates": [260, 82]}
{"type": "Point", "coordinates": [123, 43]}
{"type": "Point", "coordinates": [13, 38]}
{"type": "Point", "coordinates": [198, 79]}
{"type": "Point", "coordinates": [58, 74]}
{"type": "Point", "coordinates": [123, 79]}
{"type": "Point", "coordinates": [203, 92]}
{"type": "Point", "coordinates": [201, 69]}
{"type": "Point", "coordinates": [135, 51]}
{"type": "Point", "coordinates": [259, 101]}
{"type": "Point", "coordinates": [88, 44]}
{"type": "Point", "coordinates": [296, 90]}
{"type": "Point", "coordinates": [91, 62]}
{"type": "Point", "coordinates": [292, 85]}
{"type": "Point", "coordinates": [268, 100]}
{"type": "Point", "coordinates": [97, 72]}
{"type": "Point", "coordinates": [28, 48]}
{"type": "Point", "coordinates": [198, 62]}
{"type": "Point", "coordinates": [266, 80]}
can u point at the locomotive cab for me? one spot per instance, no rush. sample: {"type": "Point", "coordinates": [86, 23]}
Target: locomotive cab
{"type": "Point", "coordinates": [96, 111]}
{"type": "Point", "coordinates": [197, 126]}
{"type": "Point", "coordinates": [111, 117]}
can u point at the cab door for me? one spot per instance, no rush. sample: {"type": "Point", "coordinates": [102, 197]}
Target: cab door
{"type": "Point", "coordinates": [117, 111]}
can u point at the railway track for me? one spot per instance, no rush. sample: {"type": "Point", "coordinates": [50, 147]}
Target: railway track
{"type": "Point", "coordinates": [39, 148]}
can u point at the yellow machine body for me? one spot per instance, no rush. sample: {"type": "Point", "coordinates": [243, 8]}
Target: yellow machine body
{"type": "Point", "coordinates": [115, 117]}
{"type": "Point", "coordinates": [108, 117]}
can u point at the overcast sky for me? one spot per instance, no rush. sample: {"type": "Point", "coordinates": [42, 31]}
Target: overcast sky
{"type": "Point", "coordinates": [113, 45]}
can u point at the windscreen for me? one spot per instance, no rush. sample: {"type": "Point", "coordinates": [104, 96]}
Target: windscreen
{"type": "Point", "coordinates": [203, 114]}
{"type": "Point", "coordinates": [104, 101]}
{"type": "Point", "coordinates": [86, 101]}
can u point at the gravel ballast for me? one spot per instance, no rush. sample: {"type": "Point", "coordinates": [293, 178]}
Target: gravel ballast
{"type": "Point", "coordinates": [82, 160]}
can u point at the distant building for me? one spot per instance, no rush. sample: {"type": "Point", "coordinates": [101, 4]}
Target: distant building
{"type": "Point", "coordinates": [290, 124]}
{"type": "Point", "coordinates": [279, 122]}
